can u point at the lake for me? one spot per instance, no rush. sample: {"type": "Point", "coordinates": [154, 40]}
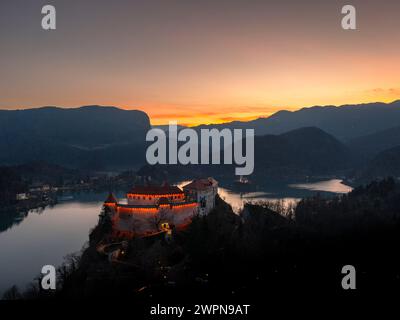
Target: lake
{"type": "Point", "coordinates": [30, 241]}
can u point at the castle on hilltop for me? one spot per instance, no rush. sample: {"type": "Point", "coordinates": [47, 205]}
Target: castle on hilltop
{"type": "Point", "coordinates": [148, 208]}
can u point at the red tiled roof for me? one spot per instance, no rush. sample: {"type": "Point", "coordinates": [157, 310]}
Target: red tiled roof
{"type": "Point", "coordinates": [200, 184]}
{"type": "Point", "coordinates": [153, 190]}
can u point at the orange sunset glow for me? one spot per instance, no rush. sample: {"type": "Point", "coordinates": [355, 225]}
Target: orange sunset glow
{"type": "Point", "coordinates": [199, 157]}
{"type": "Point", "coordinates": [202, 62]}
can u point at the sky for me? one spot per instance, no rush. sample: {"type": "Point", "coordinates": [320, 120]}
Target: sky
{"type": "Point", "coordinates": [198, 61]}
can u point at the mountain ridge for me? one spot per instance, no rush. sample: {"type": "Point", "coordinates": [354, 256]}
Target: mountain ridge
{"type": "Point", "coordinates": [372, 144]}
{"type": "Point", "coordinates": [345, 122]}
{"type": "Point", "coordinates": [85, 136]}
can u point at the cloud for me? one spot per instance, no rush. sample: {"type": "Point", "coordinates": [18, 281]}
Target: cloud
{"type": "Point", "coordinates": [183, 115]}
{"type": "Point", "coordinates": [394, 91]}
{"type": "Point", "coordinates": [385, 91]}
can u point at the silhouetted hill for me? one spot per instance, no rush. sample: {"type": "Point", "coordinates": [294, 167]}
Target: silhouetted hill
{"type": "Point", "coordinates": [370, 145]}
{"type": "Point", "coordinates": [305, 151]}
{"type": "Point", "coordinates": [44, 173]}
{"type": "Point", "coordinates": [344, 122]}
{"type": "Point", "coordinates": [18, 179]}
{"type": "Point", "coordinates": [385, 164]}
{"type": "Point", "coordinates": [92, 137]}
{"type": "Point", "coordinates": [11, 183]}
{"type": "Point", "coordinates": [293, 155]}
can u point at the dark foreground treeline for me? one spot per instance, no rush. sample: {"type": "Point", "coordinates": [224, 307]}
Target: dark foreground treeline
{"type": "Point", "coordinates": [269, 250]}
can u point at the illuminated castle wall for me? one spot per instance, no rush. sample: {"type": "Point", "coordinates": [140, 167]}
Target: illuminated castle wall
{"type": "Point", "coordinates": [149, 206]}
{"type": "Point", "coordinates": [153, 195]}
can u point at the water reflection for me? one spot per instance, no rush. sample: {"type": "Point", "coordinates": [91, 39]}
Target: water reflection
{"type": "Point", "coordinates": [44, 236]}
{"type": "Point", "coordinates": [237, 200]}
{"type": "Point", "coordinates": [334, 185]}
{"type": "Point", "coordinates": [40, 239]}
{"type": "Point", "coordinates": [288, 194]}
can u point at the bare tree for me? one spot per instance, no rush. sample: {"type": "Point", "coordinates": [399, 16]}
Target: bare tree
{"type": "Point", "coordinates": [285, 208]}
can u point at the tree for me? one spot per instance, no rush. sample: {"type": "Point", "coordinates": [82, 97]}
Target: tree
{"type": "Point", "coordinates": [12, 294]}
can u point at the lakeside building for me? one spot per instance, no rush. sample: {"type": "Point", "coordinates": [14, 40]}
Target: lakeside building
{"type": "Point", "coordinates": [21, 196]}
{"type": "Point", "coordinates": [202, 191]}
{"type": "Point", "coordinates": [148, 208]}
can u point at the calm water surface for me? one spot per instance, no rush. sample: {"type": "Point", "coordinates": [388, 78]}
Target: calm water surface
{"type": "Point", "coordinates": [27, 242]}
{"type": "Point", "coordinates": [44, 237]}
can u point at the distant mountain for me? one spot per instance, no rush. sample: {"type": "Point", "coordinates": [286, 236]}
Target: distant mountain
{"type": "Point", "coordinates": [165, 127]}
{"type": "Point", "coordinates": [308, 141]}
{"type": "Point", "coordinates": [385, 164]}
{"type": "Point", "coordinates": [372, 144]}
{"type": "Point", "coordinates": [305, 151]}
{"type": "Point", "coordinates": [297, 154]}
{"type": "Point", "coordinates": [93, 137]}
{"type": "Point", "coordinates": [344, 122]}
